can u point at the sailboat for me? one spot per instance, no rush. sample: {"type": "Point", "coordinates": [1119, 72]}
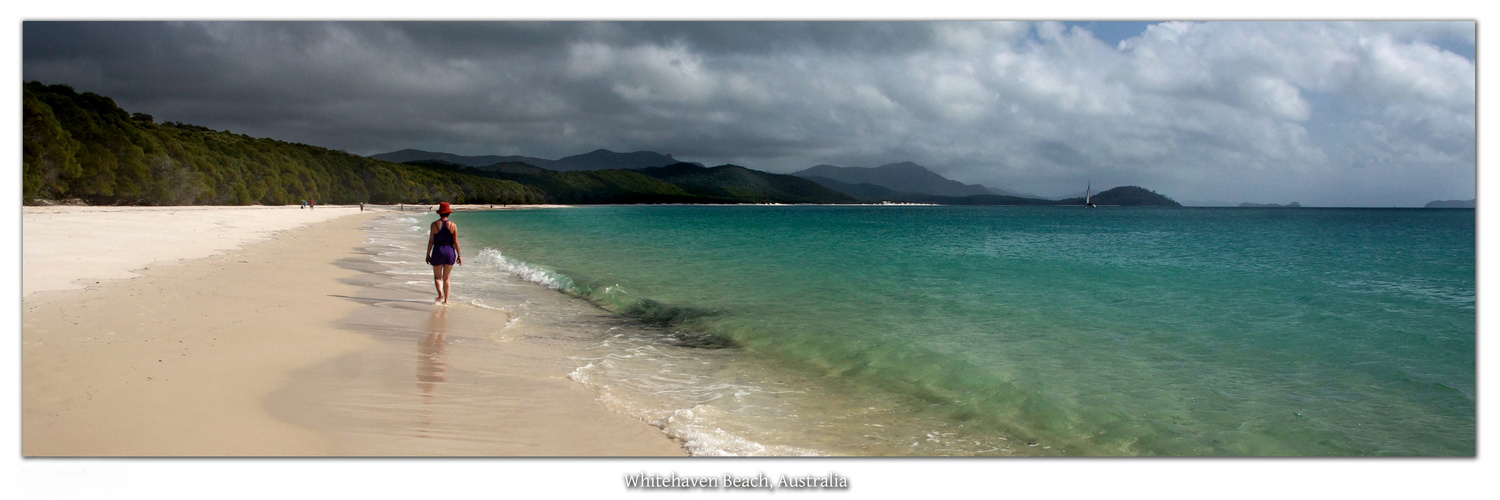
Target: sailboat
{"type": "Point", "coordinates": [1088, 195]}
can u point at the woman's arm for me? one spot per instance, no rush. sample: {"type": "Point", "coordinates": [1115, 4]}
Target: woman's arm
{"type": "Point", "coordinates": [431, 234]}
{"type": "Point", "coordinates": [459, 252]}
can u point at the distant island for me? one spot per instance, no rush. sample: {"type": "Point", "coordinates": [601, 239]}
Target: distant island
{"type": "Point", "coordinates": [82, 148]}
{"type": "Point", "coordinates": [908, 182]}
{"type": "Point", "coordinates": [1450, 204]}
{"type": "Point", "coordinates": [1270, 205]}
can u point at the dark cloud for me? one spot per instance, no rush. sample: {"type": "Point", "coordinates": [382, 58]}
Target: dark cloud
{"type": "Point", "coordinates": [1273, 111]}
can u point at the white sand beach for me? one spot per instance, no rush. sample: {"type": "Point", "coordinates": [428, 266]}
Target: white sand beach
{"type": "Point", "coordinates": [178, 331]}
{"type": "Point", "coordinates": [63, 245]}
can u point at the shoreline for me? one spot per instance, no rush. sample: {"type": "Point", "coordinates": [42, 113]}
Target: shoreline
{"type": "Point", "coordinates": [455, 380]}
{"type": "Point", "coordinates": [197, 357]}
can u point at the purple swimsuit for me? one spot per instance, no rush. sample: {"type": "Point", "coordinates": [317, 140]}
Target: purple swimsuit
{"type": "Point", "coordinates": [443, 253]}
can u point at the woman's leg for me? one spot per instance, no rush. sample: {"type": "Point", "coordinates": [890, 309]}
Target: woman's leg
{"type": "Point", "coordinates": [446, 271]}
{"type": "Point", "coordinates": [438, 276]}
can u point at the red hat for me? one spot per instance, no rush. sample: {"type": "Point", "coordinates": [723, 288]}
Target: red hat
{"type": "Point", "coordinates": [443, 209]}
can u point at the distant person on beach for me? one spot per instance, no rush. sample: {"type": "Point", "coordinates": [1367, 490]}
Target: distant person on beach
{"type": "Point", "coordinates": [361, 206]}
{"type": "Point", "coordinates": [304, 205]}
{"type": "Point", "coordinates": [443, 251]}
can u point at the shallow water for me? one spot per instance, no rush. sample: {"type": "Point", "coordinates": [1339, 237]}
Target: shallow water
{"type": "Point", "coordinates": [466, 379]}
{"type": "Point", "coordinates": [791, 330]}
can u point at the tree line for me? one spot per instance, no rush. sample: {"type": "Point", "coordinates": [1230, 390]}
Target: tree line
{"type": "Point", "coordinates": [83, 146]}
{"type": "Point", "coordinates": [676, 183]}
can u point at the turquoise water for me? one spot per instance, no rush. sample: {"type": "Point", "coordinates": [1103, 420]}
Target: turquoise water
{"type": "Point", "coordinates": [1019, 331]}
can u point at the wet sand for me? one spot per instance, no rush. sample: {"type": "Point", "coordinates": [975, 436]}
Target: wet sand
{"type": "Point", "coordinates": [286, 346]}
{"type": "Point", "coordinates": [456, 380]}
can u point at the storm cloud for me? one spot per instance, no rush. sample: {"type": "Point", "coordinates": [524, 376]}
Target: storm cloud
{"type": "Point", "coordinates": [1323, 113]}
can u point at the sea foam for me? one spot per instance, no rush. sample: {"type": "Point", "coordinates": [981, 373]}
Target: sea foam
{"type": "Point", "coordinates": [493, 258]}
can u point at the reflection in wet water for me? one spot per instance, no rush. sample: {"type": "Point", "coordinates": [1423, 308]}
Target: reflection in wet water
{"type": "Point", "coordinates": [430, 364]}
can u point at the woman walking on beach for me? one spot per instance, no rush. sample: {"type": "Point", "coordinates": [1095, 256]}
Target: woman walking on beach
{"type": "Point", "coordinates": [443, 251]}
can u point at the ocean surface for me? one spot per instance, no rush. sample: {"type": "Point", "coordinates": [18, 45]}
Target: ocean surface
{"type": "Point", "coordinates": [924, 330]}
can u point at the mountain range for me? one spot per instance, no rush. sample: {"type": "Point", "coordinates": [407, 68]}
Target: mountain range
{"type": "Point", "coordinates": [599, 159]}
{"type": "Point", "coordinates": [902, 177]}
{"type": "Point", "coordinates": [604, 176]}
{"type": "Point", "coordinates": [873, 184]}
{"type": "Point", "coordinates": [675, 183]}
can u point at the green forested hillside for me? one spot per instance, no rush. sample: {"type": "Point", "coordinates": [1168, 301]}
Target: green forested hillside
{"type": "Point", "coordinates": [733, 182]}
{"type": "Point", "coordinates": [678, 183]}
{"type": "Point", "coordinates": [580, 187]}
{"type": "Point", "coordinates": [84, 146]}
